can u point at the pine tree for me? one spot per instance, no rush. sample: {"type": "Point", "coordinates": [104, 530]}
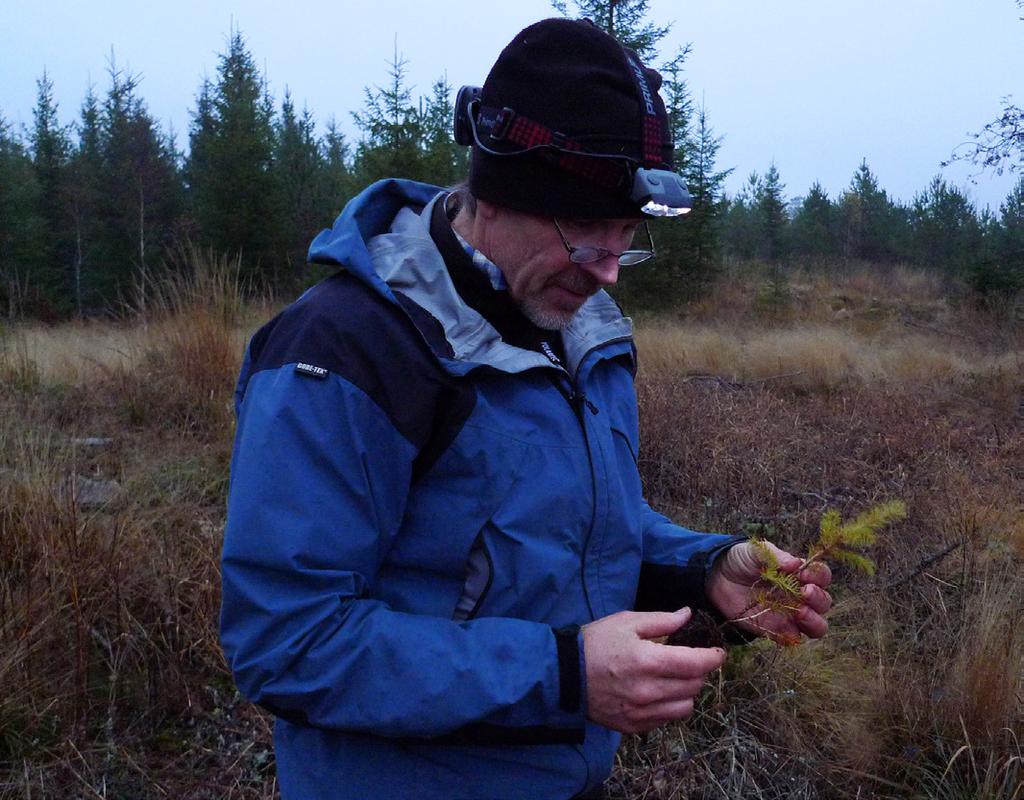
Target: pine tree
{"type": "Point", "coordinates": [945, 231]}
{"type": "Point", "coordinates": [999, 273]}
{"type": "Point", "coordinates": [1011, 232]}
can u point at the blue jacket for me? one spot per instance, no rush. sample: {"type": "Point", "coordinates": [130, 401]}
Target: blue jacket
{"type": "Point", "coordinates": [421, 516]}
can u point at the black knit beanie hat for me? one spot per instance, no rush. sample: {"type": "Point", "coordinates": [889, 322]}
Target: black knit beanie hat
{"type": "Point", "coordinates": [574, 79]}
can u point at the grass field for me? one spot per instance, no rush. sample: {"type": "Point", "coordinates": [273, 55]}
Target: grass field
{"type": "Point", "coordinates": [761, 407]}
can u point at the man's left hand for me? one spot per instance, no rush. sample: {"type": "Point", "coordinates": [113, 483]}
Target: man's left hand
{"type": "Point", "coordinates": [731, 590]}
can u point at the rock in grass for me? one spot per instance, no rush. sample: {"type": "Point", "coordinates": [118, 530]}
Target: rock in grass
{"type": "Point", "coordinates": [93, 442]}
{"type": "Point", "coordinates": [93, 493]}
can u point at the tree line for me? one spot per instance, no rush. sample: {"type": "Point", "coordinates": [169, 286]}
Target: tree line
{"type": "Point", "coordinates": [941, 229]}
{"type": "Point", "coordinates": [93, 213]}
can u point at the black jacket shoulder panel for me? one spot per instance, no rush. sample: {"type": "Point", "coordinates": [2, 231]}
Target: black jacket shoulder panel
{"type": "Point", "coordinates": [344, 327]}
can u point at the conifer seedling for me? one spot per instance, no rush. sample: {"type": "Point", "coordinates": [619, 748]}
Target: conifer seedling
{"type": "Point", "coordinates": [839, 542]}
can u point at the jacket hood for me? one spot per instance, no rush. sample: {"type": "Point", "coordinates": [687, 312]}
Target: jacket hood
{"type": "Point", "coordinates": [383, 237]}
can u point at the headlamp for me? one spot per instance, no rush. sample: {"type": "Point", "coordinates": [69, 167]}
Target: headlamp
{"type": "Point", "coordinates": [660, 193]}
{"type": "Point", "coordinates": [654, 192]}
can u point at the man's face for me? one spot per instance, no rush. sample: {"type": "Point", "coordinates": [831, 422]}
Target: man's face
{"type": "Point", "coordinates": [544, 283]}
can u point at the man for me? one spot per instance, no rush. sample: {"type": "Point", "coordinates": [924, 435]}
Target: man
{"type": "Point", "coordinates": [436, 530]}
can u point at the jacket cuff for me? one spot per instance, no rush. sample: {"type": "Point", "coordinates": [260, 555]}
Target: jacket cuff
{"type": "Point", "coordinates": [669, 587]}
{"type": "Point", "coordinates": [570, 668]}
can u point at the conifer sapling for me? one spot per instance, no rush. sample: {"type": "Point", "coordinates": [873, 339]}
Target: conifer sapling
{"type": "Point", "coordinates": [780, 592]}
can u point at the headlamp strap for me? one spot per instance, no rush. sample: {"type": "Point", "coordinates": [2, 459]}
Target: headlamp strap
{"type": "Point", "coordinates": [652, 142]}
{"type": "Point", "coordinates": [505, 125]}
{"type": "Point", "coordinates": [652, 133]}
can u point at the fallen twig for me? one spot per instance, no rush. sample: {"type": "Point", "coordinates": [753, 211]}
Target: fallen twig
{"type": "Point", "coordinates": [924, 564]}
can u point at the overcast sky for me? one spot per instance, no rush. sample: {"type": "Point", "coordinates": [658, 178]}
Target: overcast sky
{"type": "Point", "coordinates": [815, 85]}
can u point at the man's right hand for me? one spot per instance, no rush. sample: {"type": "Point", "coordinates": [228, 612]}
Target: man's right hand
{"type": "Point", "coordinates": [634, 684]}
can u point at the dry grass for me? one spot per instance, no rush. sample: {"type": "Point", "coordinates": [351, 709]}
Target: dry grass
{"type": "Point", "coordinates": [114, 684]}
{"type": "Point", "coordinates": [820, 357]}
{"type": "Point", "coordinates": [758, 414]}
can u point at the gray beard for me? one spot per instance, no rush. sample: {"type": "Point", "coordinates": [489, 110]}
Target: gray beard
{"type": "Point", "coordinates": [549, 320]}
{"type": "Point", "coordinates": [546, 319]}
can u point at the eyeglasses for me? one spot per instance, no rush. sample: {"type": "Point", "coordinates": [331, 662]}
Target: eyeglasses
{"type": "Point", "coordinates": [588, 254]}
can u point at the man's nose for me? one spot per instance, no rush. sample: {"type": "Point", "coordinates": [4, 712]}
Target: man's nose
{"type": "Point", "coordinates": [605, 270]}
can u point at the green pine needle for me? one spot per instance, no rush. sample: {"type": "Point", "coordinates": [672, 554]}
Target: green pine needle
{"type": "Point", "coordinates": [831, 529]}
{"type": "Point", "coordinates": [854, 560]}
{"type": "Point", "coordinates": [771, 574]}
{"type": "Point", "coordinates": [838, 541]}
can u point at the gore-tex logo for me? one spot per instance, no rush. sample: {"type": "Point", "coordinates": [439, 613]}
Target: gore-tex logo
{"type": "Point", "coordinates": [645, 90]}
{"type": "Point", "coordinates": [312, 370]}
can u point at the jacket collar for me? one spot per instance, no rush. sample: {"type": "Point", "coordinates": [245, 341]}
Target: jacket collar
{"type": "Point", "coordinates": [383, 237]}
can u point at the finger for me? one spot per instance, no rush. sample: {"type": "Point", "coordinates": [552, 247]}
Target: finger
{"type": "Point", "coordinates": [689, 662]}
{"type": "Point", "coordinates": [817, 573]}
{"type": "Point", "coordinates": [656, 715]}
{"type": "Point", "coordinates": [817, 598]}
{"type": "Point", "coordinates": [771, 624]}
{"type": "Point", "coordinates": [810, 623]}
{"type": "Point", "coordinates": [651, 624]}
{"type": "Point", "coordinates": [664, 690]}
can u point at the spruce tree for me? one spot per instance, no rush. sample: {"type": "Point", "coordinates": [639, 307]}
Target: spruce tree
{"type": "Point", "coordinates": [772, 218]}
{"type": "Point", "coordinates": [141, 198]}
{"type": "Point", "coordinates": [338, 179]}
{"type": "Point", "coordinates": [444, 162]}
{"type": "Point", "coordinates": [742, 231]}
{"type": "Point", "coordinates": [813, 230]}
{"type": "Point", "coordinates": [692, 244]}
{"type": "Point", "coordinates": [50, 268]}
{"type": "Point", "coordinates": [391, 129]}
{"type": "Point", "coordinates": [232, 185]}
{"type": "Point", "coordinates": [706, 184]}
{"type": "Point", "coordinates": [626, 20]}
{"type": "Point", "coordinates": [86, 194]}
{"type": "Point", "coordinates": [300, 170]}
{"type": "Point", "coordinates": [871, 225]}
{"type": "Point", "coordinates": [21, 227]}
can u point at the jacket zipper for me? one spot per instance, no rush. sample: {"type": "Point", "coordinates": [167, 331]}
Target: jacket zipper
{"type": "Point", "coordinates": [579, 403]}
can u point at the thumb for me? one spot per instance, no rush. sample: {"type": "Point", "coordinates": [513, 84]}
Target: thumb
{"type": "Point", "coordinates": [743, 562]}
{"type": "Point", "coordinates": [787, 561]}
{"type": "Point", "coordinates": [651, 624]}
